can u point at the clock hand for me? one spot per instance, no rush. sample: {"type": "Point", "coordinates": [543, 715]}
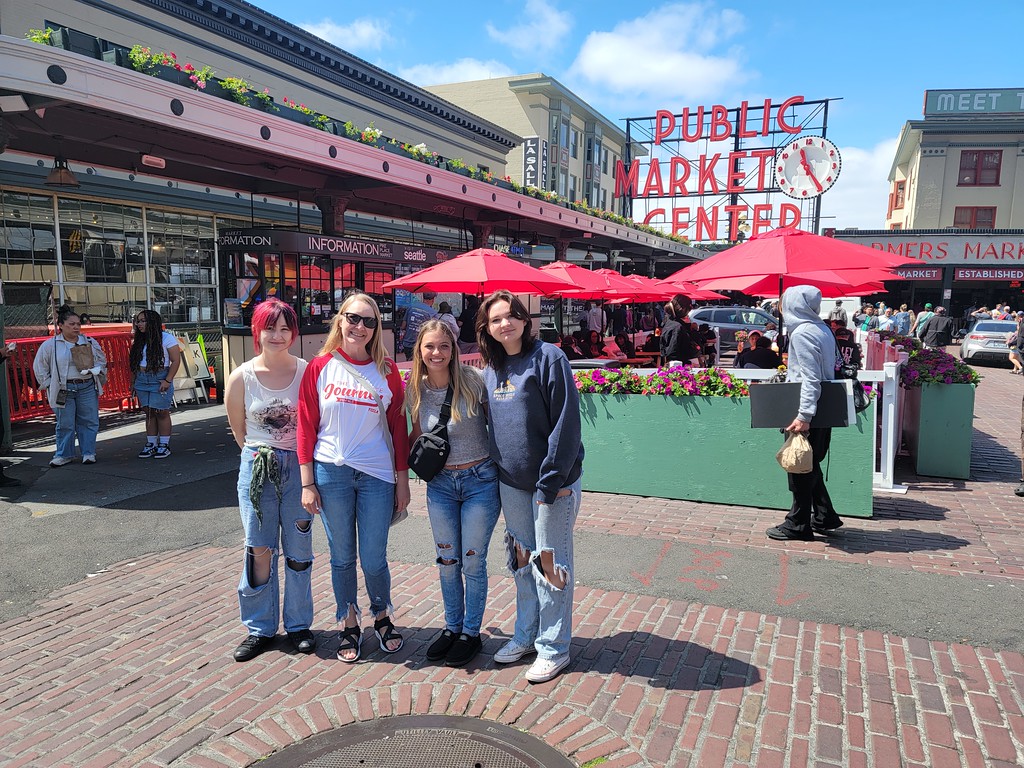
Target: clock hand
{"type": "Point", "coordinates": [807, 169]}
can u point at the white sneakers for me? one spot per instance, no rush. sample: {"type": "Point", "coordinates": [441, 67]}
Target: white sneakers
{"type": "Point", "coordinates": [546, 669]}
{"type": "Point", "coordinates": [60, 461]}
{"type": "Point", "coordinates": [513, 651]}
{"type": "Point", "coordinates": [541, 671]}
{"type": "Point", "coordinates": [89, 458]}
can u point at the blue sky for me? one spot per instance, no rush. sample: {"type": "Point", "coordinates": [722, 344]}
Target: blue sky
{"type": "Point", "coordinates": [630, 59]}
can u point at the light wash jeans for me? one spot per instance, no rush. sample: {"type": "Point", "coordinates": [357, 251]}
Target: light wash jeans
{"type": "Point", "coordinates": [543, 612]}
{"type": "Point", "coordinates": [287, 528]}
{"type": "Point", "coordinates": [357, 510]}
{"type": "Point", "coordinates": [79, 417]}
{"type": "Point", "coordinates": [463, 506]}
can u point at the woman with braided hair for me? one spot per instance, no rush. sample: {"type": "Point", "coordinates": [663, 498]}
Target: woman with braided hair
{"type": "Point", "coordinates": [262, 399]}
{"type": "Point", "coordinates": [153, 361]}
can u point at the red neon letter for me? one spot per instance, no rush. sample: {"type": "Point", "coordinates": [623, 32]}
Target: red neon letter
{"type": "Point", "coordinates": [706, 172]}
{"type": "Point", "coordinates": [761, 221]}
{"type": "Point", "coordinates": [741, 123]}
{"type": "Point", "coordinates": [734, 178]}
{"type": "Point", "coordinates": [654, 180]}
{"type": "Point", "coordinates": [626, 183]}
{"type": "Point", "coordinates": [792, 101]}
{"type": "Point", "coordinates": [720, 119]}
{"type": "Point", "coordinates": [765, 157]}
{"type": "Point", "coordinates": [659, 132]}
{"type": "Point", "coordinates": [707, 225]}
{"type": "Point", "coordinates": [652, 214]}
{"type": "Point", "coordinates": [790, 209]}
{"type": "Point", "coordinates": [685, 124]}
{"type": "Point", "coordinates": [734, 212]}
{"type": "Point", "coordinates": [679, 223]}
{"type": "Point", "coordinates": [677, 184]}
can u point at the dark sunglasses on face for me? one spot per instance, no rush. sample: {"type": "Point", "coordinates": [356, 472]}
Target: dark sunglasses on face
{"type": "Point", "coordinates": [353, 319]}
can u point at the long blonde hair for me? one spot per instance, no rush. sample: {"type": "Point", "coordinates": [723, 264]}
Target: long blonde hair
{"type": "Point", "coordinates": [374, 347]}
{"type": "Point", "coordinates": [467, 385]}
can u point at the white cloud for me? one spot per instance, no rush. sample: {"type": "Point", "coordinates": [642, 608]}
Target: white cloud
{"type": "Point", "coordinates": [543, 30]}
{"type": "Point", "coordinates": [861, 193]}
{"type": "Point", "coordinates": [456, 72]}
{"type": "Point", "coordinates": [359, 35]}
{"type": "Point", "coordinates": [677, 53]}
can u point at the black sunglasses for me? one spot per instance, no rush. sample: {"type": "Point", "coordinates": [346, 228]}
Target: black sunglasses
{"type": "Point", "coordinates": [353, 319]}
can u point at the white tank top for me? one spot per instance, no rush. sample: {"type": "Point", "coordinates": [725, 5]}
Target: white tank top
{"type": "Point", "coordinates": [271, 415]}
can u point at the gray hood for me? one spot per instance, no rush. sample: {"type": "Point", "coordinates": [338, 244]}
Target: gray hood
{"type": "Point", "coordinates": [800, 304]}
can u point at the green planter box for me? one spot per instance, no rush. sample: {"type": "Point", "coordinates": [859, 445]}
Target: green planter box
{"type": "Point", "coordinates": [938, 427]}
{"type": "Point", "coordinates": [703, 449]}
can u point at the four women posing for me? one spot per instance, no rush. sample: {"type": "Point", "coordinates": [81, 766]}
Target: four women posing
{"type": "Point", "coordinates": [331, 439]}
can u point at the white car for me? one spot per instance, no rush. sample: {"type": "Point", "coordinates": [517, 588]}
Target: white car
{"type": "Point", "coordinates": [986, 340]}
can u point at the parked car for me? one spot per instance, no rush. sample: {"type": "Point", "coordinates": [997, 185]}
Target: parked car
{"type": "Point", "coordinates": [728, 320]}
{"type": "Point", "coordinates": [986, 340]}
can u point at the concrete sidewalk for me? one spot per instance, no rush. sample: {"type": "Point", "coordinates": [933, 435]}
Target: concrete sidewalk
{"type": "Point", "coordinates": [698, 642]}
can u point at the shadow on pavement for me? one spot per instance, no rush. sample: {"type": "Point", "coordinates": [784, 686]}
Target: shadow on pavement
{"type": "Point", "coordinates": [992, 461]}
{"type": "Point", "coordinates": [896, 540]}
{"type": "Point", "coordinates": [905, 508]}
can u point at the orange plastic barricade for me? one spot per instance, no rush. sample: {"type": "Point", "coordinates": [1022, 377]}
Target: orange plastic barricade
{"type": "Point", "coordinates": [29, 402]}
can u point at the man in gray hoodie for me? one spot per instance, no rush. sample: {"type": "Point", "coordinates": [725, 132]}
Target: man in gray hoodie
{"type": "Point", "coordinates": [812, 360]}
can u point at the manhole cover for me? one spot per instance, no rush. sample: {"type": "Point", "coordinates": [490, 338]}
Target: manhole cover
{"type": "Point", "coordinates": [420, 741]}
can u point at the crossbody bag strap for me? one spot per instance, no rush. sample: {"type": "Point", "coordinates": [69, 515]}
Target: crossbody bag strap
{"type": "Point", "coordinates": [446, 407]}
{"type": "Point", "coordinates": [380, 404]}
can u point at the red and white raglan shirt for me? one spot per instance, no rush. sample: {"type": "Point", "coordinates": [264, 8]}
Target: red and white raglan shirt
{"type": "Point", "coordinates": [338, 419]}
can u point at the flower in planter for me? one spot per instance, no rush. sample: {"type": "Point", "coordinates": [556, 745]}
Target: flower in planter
{"type": "Point", "coordinates": [370, 134]}
{"type": "Point", "coordinates": [316, 119]}
{"type": "Point", "coordinates": [198, 77]}
{"type": "Point", "coordinates": [935, 366]}
{"type": "Point", "coordinates": [265, 100]}
{"type": "Point", "coordinates": [237, 88]}
{"type": "Point", "coordinates": [679, 381]}
{"type": "Point", "coordinates": [516, 186]}
{"type": "Point", "coordinates": [455, 163]}
{"type": "Point", "coordinates": [41, 36]}
{"type": "Point", "coordinates": [144, 60]}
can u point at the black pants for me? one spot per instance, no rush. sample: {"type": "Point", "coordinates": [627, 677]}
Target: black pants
{"type": "Point", "coordinates": [810, 496]}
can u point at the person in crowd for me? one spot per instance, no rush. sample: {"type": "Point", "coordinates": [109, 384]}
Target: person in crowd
{"type": "Point", "coordinates": [653, 341]}
{"type": "Point", "coordinates": [535, 440]}
{"type": "Point", "coordinates": [838, 313]}
{"type": "Point", "coordinates": [415, 316]}
{"type": "Point", "coordinates": [596, 319]}
{"type": "Point", "coordinates": [885, 320]}
{"type": "Point", "coordinates": [858, 316]}
{"type": "Point", "coordinates": [901, 321]}
{"type": "Point", "coordinates": [262, 403]}
{"type": "Point", "coordinates": [869, 321]}
{"type": "Point", "coordinates": [937, 331]}
{"type": "Point", "coordinates": [648, 322]}
{"type": "Point", "coordinates": [771, 330]}
{"type": "Point", "coordinates": [922, 317]}
{"type": "Point", "coordinates": [353, 450]}
{"type": "Point", "coordinates": [1015, 341]}
{"type": "Point", "coordinates": [982, 313]}
{"type": "Point", "coordinates": [677, 343]}
{"type": "Point", "coordinates": [707, 333]}
{"type": "Point", "coordinates": [462, 499]}
{"type": "Point", "coordinates": [618, 320]}
{"type": "Point", "coordinates": [444, 313]}
{"type": "Point", "coordinates": [812, 360]}
{"type": "Point", "coordinates": [467, 326]}
{"type": "Point", "coordinates": [570, 348]}
{"type": "Point", "coordinates": [761, 356]}
{"type": "Point", "coordinates": [154, 360]}
{"type": "Point", "coordinates": [848, 347]}
{"type": "Point", "coordinates": [593, 345]}
{"type": "Point", "coordinates": [72, 368]}
{"type": "Point", "coordinates": [630, 319]}
{"type": "Point", "coordinates": [624, 344]}
{"type": "Point", "coordinates": [582, 317]}
{"type": "Point", "coordinates": [999, 313]}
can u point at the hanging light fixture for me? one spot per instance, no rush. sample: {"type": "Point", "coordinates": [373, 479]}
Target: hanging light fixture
{"type": "Point", "coordinates": [589, 255]}
{"type": "Point", "coordinates": [61, 175]}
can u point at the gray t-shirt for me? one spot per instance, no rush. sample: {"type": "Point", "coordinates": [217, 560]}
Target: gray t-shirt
{"type": "Point", "coordinates": [467, 437]}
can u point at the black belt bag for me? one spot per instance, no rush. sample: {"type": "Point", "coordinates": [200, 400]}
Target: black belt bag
{"type": "Point", "coordinates": [430, 450]}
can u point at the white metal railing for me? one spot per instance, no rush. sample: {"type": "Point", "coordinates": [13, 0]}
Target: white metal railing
{"type": "Point", "coordinates": [474, 360]}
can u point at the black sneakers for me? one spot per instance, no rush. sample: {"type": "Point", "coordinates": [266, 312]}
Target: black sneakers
{"type": "Point", "coordinates": [440, 647]}
{"type": "Point", "coordinates": [303, 641]}
{"type": "Point", "coordinates": [463, 650]}
{"type": "Point", "coordinates": [784, 534]}
{"type": "Point", "coordinates": [252, 647]}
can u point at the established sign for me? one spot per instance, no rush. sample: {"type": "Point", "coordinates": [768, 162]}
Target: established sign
{"type": "Point", "coordinates": [965, 273]}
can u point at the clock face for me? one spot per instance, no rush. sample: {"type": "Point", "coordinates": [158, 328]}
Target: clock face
{"type": "Point", "coordinates": [807, 167]}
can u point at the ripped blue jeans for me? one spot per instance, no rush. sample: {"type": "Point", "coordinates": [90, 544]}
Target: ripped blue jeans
{"type": "Point", "coordinates": [287, 528]}
{"type": "Point", "coordinates": [543, 612]}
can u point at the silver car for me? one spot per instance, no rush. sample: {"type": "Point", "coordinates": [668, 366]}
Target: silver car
{"type": "Point", "coordinates": [728, 320]}
{"type": "Point", "coordinates": [986, 340]}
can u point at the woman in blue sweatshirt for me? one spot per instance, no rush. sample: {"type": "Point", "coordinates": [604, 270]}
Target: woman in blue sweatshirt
{"type": "Point", "coordinates": [535, 441]}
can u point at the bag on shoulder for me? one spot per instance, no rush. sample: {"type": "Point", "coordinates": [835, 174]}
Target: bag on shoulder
{"type": "Point", "coordinates": [795, 456]}
{"type": "Point", "coordinates": [845, 370]}
{"type": "Point", "coordinates": [430, 450]}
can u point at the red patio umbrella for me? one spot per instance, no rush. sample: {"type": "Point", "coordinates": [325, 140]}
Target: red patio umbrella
{"type": "Point", "coordinates": [788, 252]}
{"type": "Point", "coordinates": [583, 283]}
{"type": "Point", "coordinates": [481, 271]}
{"type": "Point", "coordinates": [691, 290]}
{"type": "Point", "coordinates": [842, 282]}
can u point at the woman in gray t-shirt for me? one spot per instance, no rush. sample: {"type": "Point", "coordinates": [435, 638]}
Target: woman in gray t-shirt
{"type": "Point", "coordinates": [462, 499]}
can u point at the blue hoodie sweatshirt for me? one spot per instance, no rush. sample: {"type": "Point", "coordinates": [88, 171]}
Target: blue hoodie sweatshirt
{"type": "Point", "coordinates": [812, 347]}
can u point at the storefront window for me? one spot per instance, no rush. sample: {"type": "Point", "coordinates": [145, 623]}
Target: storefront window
{"type": "Point", "coordinates": [315, 290]}
{"type": "Point", "coordinates": [106, 303]}
{"type": "Point", "coordinates": [178, 304]}
{"type": "Point", "coordinates": [374, 285]}
{"type": "Point", "coordinates": [28, 249]}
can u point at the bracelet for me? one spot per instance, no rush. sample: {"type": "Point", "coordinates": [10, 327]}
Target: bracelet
{"type": "Point", "coordinates": [169, 381]}
{"type": "Point", "coordinates": [311, 485]}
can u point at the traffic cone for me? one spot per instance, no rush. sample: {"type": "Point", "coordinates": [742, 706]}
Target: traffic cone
{"type": "Point", "coordinates": [213, 385]}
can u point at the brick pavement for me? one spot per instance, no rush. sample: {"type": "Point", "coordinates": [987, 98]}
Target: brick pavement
{"type": "Point", "coordinates": [131, 666]}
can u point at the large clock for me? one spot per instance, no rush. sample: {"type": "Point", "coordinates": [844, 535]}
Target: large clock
{"type": "Point", "coordinates": [807, 166]}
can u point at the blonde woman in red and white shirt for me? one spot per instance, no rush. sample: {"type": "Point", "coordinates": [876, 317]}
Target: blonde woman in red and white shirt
{"type": "Point", "coordinates": [351, 476]}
